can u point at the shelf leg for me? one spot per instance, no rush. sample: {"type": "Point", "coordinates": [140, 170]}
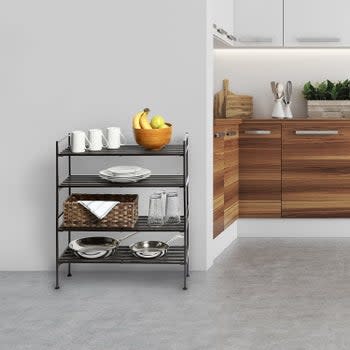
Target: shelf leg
{"type": "Point", "coordinates": [57, 282]}
{"type": "Point", "coordinates": [69, 274]}
{"type": "Point", "coordinates": [185, 277]}
{"type": "Point", "coordinates": [69, 193]}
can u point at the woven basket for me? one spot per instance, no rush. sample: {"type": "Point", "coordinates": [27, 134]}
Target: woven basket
{"type": "Point", "coordinates": [124, 214]}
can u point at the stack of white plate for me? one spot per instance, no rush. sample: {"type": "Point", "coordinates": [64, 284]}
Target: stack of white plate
{"type": "Point", "coordinates": [125, 173]}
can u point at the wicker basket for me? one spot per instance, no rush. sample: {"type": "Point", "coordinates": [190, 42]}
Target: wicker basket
{"type": "Point", "coordinates": [124, 214]}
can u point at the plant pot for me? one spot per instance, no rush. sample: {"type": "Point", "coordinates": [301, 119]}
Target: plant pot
{"type": "Point", "coordinates": [328, 109]}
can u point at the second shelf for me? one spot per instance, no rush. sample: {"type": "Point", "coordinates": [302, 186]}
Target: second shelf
{"type": "Point", "coordinates": [96, 181]}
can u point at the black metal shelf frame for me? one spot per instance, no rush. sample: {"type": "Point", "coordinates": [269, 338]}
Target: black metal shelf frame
{"type": "Point", "coordinates": [176, 255]}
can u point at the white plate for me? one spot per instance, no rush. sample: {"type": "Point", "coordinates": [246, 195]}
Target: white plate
{"type": "Point", "coordinates": [143, 172]}
{"type": "Point", "coordinates": [124, 169]}
{"type": "Point", "coordinates": [124, 180]}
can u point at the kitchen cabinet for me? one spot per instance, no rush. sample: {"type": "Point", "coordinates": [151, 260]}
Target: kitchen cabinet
{"type": "Point", "coordinates": [219, 179]}
{"type": "Point", "coordinates": [226, 185]}
{"type": "Point", "coordinates": [258, 23]}
{"type": "Point", "coordinates": [222, 16]}
{"type": "Point", "coordinates": [316, 169]}
{"type": "Point", "coordinates": [316, 23]}
{"type": "Point", "coordinates": [260, 169]}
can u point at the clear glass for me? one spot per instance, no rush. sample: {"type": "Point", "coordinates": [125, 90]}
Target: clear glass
{"type": "Point", "coordinates": [155, 210]}
{"type": "Point", "coordinates": [163, 194]}
{"type": "Point", "coordinates": [172, 215]}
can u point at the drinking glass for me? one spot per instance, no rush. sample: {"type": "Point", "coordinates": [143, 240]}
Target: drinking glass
{"type": "Point", "coordinates": [155, 210]}
{"type": "Point", "coordinates": [172, 208]}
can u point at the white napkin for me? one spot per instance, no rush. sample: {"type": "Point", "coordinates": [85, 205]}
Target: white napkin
{"type": "Point", "coordinates": [99, 208]}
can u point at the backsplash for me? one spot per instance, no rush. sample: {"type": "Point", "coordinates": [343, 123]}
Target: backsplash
{"type": "Point", "coordinates": [250, 72]}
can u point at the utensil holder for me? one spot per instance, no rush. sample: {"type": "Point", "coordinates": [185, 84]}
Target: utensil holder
{"type": "Point", "coordinates": [287, 111]}
{"type": "Point", "coordinates": [277, 111]}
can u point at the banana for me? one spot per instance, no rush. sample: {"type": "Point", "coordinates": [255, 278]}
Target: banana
{"type": "Point", "coordinates": [137, 117]}
{"type": "Point", "coordinates": [144, 121]}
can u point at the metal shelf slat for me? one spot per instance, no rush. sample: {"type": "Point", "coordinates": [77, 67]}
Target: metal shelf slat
{"type": "Point", "coordinates": [96, 181]}
{"type": "Point", "coordinates": [123, 255]}
{"type": "Point", "coordinates": [141, 225]}
{"type": "Point", "coordinates": [127, 150]}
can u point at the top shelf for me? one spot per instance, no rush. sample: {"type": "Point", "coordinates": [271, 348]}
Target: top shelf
{"type": "Point", "coordinates": [128, 150]}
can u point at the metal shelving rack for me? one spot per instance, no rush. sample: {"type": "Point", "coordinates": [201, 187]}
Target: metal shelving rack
{"type": "Point", "coordinates": [178, 255]}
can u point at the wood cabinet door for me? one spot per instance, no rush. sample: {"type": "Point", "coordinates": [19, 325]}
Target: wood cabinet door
{"type": "Point", "coordinates": [260, 170]}
{"type": "Point", "coordinates": [316, 170]}
{"type": "Point", "coordinates": [219, 178]}
{"type": "Point", "coordinates": [316, 23]}
{"type": "Point", "coordinates": [231, 176]}
{"type": "Point", "coordinates": [258, 23]}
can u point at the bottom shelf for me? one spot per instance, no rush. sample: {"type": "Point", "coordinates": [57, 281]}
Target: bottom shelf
{"type": "Point", "coordinates": [123, 255]}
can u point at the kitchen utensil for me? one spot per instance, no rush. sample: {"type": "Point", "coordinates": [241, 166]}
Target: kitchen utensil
{"type": "Point", "coordinates": [78, 141]}
{"type": "Point", "coordinates": [230, 105]}
{"type": "Point", "coordinates": [172, 208]}
{"type": "Point", "coordinates": [273, 88]}
{"type": "Point", "coordinates": [155, 210]}
{"type": "Point", "coordinates": [288, 91]}
{"type": "Point", "coordinates": [153, 139]}
{"type": "Point", "coordinates": [96, 138]}
{"type": "Point", "coordinates": [96, 247]}
{"type": "Point", "coordinates": [114, 136]}
{"type": "Point", "coordinates": [287, 100]}
{"type": "Point", "coordinates": [151, 249]}
{"type": "Point", "coordinates": [279, 90]}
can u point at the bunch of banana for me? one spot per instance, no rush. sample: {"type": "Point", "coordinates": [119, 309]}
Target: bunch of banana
{"type": "Point", "coordinates": [140, 121]}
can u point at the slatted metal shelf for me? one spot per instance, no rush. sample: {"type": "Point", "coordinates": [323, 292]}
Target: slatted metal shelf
{"type": "Point", "coordinates": [128, 150]}
{"type": "Point", "coordinates": [141, 225]}
{"type": "Point", "coordinates": [123, 255]}
{"type": "Point", "coordinates": [96, 181]}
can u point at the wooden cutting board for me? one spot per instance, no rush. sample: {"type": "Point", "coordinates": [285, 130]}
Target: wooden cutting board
{"type": "Point", "coordinates": [230, 105]}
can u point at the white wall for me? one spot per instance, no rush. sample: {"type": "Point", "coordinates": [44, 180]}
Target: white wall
{"type": "Point", "coordinates": [250, 72]}
{"type": "Point", "coordinates": [76, 64]}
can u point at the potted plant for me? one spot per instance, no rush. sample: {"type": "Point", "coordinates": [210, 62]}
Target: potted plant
{"type": "Point", "coordinates": [328, 99]}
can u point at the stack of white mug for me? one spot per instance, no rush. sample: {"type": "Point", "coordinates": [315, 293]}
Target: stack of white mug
{"type": "Point", "coordinates": [94, 141]}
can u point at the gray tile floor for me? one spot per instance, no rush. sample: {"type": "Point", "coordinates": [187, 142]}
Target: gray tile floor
{"type": "Point", "coordinates": [275, 294]}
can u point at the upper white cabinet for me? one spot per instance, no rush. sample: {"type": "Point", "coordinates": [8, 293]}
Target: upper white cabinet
{"type": "Point", "coordinates": [222, 15]}
{"type": "Point", "coordinates": [258, 23]}
{"type": "Point", "coordinates": [316, 23]}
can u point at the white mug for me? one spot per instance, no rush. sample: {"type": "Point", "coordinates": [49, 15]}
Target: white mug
{"type": "Point", "coordinates": [96, 138]}
{"type": "Point", "coordinates": [78, 141]}
{"type": "Point", "coordinates": [114, 135]}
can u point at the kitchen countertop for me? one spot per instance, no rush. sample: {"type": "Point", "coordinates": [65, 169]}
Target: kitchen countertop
{"type": "Point", "coordinates": [295, 120]}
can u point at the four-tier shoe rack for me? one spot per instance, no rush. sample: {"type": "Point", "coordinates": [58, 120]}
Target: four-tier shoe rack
{"type": "Point", "coordinates": [178, 255]}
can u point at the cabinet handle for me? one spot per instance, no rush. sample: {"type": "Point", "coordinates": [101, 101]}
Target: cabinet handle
{"type": "Point", "coordinates": [318, 40]}
{"type": "Point", "coordinates": [219, 134]}
{"type": "Point", "coordinates": [317, 132]}
{"type": "Point", "coordinates": [255, 40]}
{"type": "Point", "coordinates": [258, 132]}
{"type": "Point", "coordinates": [221, 31]}
{"type": "Point", "coordinates": [231, 133]}
{"type": "Point", "coordinates": [231, 37]}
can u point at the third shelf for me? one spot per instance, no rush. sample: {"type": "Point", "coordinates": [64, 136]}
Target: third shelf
{"type": "Point", "coordinates": [141, 225]}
